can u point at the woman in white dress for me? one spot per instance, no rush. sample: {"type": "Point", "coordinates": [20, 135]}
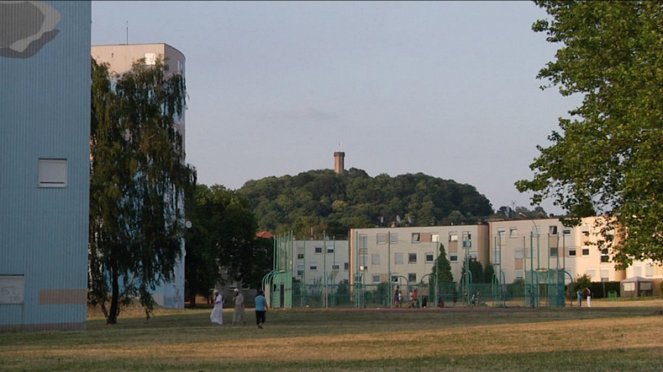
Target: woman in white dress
{"type": "Point", "coordinates": [217, 311]}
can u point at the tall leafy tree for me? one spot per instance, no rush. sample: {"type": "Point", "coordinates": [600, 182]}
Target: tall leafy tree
{"type": "Point", "coordinates": [222, 245]}
{"type": "Point", "coordinates": [606, 158]}
{"type": "Point", "coordinates": [137, 183]}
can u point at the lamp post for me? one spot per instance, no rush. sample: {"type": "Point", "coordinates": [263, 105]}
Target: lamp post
{"type": "Point", "coordinates": [391, 292]}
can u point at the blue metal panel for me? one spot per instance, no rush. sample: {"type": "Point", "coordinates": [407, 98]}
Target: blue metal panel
{"type": "Point", "coordinates": [45, 113]}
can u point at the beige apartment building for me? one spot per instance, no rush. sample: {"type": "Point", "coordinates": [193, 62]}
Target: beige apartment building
{"type": "Point", "coordinates": [407, 254]}
{"type": "Point", "coordinates": [513, 247]}
{"type": "Point", "coordinates": [540, 245]}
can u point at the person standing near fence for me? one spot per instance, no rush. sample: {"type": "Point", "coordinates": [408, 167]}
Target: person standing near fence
{"type": "Point", "coordinates": [588, 293]}
{"type": "Point", "coordinates": [261, 308]}
{"type": "Point", "coordinates": [579, 294]}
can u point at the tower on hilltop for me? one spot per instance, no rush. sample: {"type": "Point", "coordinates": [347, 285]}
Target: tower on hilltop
{"type": "Point", "coordinates": [339, 162]}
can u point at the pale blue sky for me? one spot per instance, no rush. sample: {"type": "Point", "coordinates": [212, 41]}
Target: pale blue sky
{"type": "Point", "coordinates": [444, 88]}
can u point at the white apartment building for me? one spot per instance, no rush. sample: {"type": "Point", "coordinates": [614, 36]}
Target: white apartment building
{"type": "Point", "coordinates": [318, 259]}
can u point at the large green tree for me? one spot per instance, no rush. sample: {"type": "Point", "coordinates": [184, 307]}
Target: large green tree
{"type": "Point", "coordinates": [606, 158]}
{"type": "Point", "coordinates": [222, 244]}
{"type": "Point", "coordinates": [137, 183]}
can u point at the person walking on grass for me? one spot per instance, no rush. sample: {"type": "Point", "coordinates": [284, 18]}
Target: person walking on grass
{"type": "Point", "coordinates": [261, 308]}
{"type": "Point", "coordinates": [217, 312]}
{"type": "Point", "coordinates": [238, 316]}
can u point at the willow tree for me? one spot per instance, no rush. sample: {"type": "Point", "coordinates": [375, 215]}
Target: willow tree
{"type": "Point", "coordinates": [607, 157]}
{"type": "Point", "coordinates": [137, 183]}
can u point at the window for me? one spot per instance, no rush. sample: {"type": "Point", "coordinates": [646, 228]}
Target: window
{"type": "Point", "coordinates": [412, 258]}
{"type": "Point", "coordinates": [398, 258]}
{"type": "Point", "coordinates": [381, 238]}
{"type": "Point", "coordinates": [394, 278]}
{"type": "Point", "coordinates": [519, 253]}
{"type": "Point", "coordinates": [566, 231]}
{"type": "Point", "coordinates": [605, 257]}
{"type": "Point", "coordinates": [572, 251]}
{"type": "Point", "coordinates": [429, 257]}
{"type": "Point", "coordinates": [313, 267]}
{"type": "Point", "coordinates": [513, 232]}
{"type": "Point", "coordinates": [362, 241]}
{"type": "Point", "coordinates": [393, 238]}
{"type": "Point", "coordinates": [330, 250]}
{"type": "Point", "coordinates": [52, 172]}
{"type": "Point", "coordinates": [363, 251]}
{"type": "Point", "coordinates": [605, 275]}
{"type": "Point", "coordinates": [552, 230]}
{"type": "Point", "coordinates": [554, 251]}
{"type": "Point", "coordinates": [300, 256]}
{"type": "Point", "coordinates": [416, 238]}
{"type": "Point", "coordinates": [453, 258]}
{"type": "Point", "coordinates": [453, 236]}
{"type": "Point", "coordinates": [300, 272]}
{"type": "Point", "coordinates": [150, 59]}
{"type": "Point", "coordinates": [318, 249]}
{"type": "Point", "coordinates": [585, 251]}
{"type": "Point", "coordinates": [412, 277]}
{"type": "Point", "coordinates": [375, 259]}
{"type": "Point", "coordinates": [376, 278]}
{"type": "Point", "coordinates": [335, 267]}
{"type": "Point", "coordinates": [345, 266]}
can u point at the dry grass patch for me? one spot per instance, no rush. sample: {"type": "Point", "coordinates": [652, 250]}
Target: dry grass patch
{"type": "Point", "coordinates": [302, 340]}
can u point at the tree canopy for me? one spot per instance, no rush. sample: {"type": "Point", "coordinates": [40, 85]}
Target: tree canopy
{"type": "Point", "coordinates": [137, 183]}
{"type": "Point", "coordinates": [606, 159]}
{"type": "Point", "coordinates": [222, 245]}
{"type": "Point", "coordinates": [319, 201]}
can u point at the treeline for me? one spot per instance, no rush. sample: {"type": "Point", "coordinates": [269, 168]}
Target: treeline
{"type": "Point", "coordinates": [320, 201]}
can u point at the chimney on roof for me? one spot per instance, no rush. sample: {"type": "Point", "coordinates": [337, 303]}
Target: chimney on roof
{"type": "Point", "coordinates": [339, 162]}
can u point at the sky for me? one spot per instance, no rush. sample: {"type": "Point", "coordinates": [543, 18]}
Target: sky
{"type": "Point", "coordinates": [448, 89]}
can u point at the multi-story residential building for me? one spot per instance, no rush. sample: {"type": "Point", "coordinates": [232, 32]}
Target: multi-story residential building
{"type": "Point", "coordinates": [44, 163]}
{"type": "Point", "coordinates": [120, 58]}
{"type": "Point", "coordinates": [517, 246]}
{"type": "Point", "coordinates": [405, 255]}
{"type": "Point", "coordinates": [315, 260]}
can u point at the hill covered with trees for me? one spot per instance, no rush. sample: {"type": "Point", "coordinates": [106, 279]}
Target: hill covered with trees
{"type": "Point", "coordinates": [318, 201]}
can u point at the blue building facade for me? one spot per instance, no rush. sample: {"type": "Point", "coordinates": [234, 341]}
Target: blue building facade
{"type": "Point", "coordinates": [44, 163]}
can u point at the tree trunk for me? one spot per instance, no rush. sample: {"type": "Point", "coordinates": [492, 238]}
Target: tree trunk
{"type": "Point", "coordinates": [115, 294]}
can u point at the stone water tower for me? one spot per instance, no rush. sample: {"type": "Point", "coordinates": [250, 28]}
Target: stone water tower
{"type": "Point", "coordinates": [339, 162]}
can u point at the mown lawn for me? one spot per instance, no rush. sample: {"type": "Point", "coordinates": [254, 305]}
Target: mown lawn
{"type": "Point", "coordinates": [619, 338]}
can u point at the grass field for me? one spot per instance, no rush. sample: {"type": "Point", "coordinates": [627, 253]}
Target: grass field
{"type": "Point", "coordinates": [617, 336]}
